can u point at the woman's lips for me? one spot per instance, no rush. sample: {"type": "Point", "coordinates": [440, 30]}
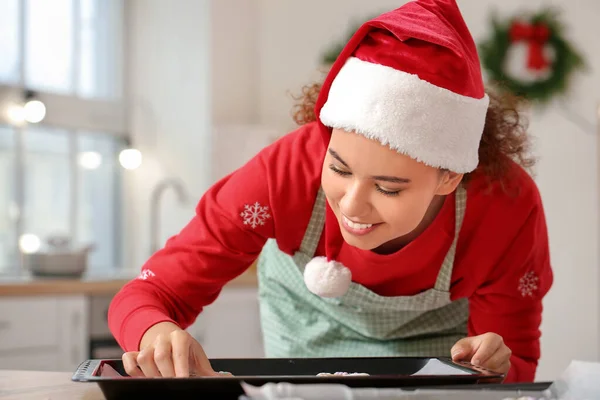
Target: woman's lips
{"type": "Point", "coordinates": [356, 228]}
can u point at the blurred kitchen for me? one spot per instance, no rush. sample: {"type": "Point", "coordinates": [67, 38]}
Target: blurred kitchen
{"type": "Point", "coordinates": [116, 116]}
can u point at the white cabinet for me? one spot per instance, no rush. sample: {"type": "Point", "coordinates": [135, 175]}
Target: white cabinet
{"type": "Point", "coordinates": [74, 332]}
{"type": "Point", "coordinates": [52, 333]}
{"type": "Point", "coordinates": [28, 322]}
{"type": "Point", "coordinates": [33, 360]}
{"type": "Point", "coordinates": [47, 333]}
{"type": "Point", "coordinates": [230, 327]}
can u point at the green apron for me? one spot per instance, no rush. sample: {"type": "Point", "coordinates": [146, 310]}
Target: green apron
{"type": "Point", "coordinates": [361, 323]}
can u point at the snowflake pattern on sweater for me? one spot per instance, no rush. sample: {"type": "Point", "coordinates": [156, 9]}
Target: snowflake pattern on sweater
{"type": "Point", "coordinates": [255, 214]}
{"type": "Point", "coordinates": [145, 274]}
{"type": "Point", "coordinates": [528, 284]}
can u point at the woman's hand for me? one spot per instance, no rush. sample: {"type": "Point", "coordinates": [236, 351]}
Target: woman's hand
{"type": "Point", "coordinates": [487, 351]}
{"type": "Point", "coordinates": [168, 351]}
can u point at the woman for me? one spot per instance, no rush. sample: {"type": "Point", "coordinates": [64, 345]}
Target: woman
{"type": "Point", "coordinates": [394, 224]}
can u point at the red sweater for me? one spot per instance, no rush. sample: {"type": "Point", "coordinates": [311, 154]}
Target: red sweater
{"type": "Point", "coordinates": [502, 260]}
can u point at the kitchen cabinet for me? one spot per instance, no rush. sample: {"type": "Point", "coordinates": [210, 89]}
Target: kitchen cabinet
{"type": "Point", "coordinates": [53, 332]}
{"type": "Point", "coordinates": [74, 328]}
{"type": "Point", "coordinates": [46, 333]}
{"type": "Point", "coordinates": [32, 360]}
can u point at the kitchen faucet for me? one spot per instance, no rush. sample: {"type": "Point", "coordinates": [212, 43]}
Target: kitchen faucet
{"type": "Point", "coordinates": [155, 200]}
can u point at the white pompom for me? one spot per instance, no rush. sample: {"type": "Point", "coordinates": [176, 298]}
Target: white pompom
{"type": "Point", "coordinates": [327, 278]}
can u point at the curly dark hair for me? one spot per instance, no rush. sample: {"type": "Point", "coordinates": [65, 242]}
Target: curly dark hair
{"type": "Point", "coordinates": [504, 135]}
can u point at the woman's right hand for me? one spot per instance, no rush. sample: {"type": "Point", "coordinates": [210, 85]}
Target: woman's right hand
{"type": "Point", "coordinates": [168, 351]}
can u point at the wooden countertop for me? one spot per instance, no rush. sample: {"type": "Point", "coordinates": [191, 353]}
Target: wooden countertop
{"type": "Point", "coordinates": [33, 385]}
{"type": "Point", "coordinates": [99, 286]}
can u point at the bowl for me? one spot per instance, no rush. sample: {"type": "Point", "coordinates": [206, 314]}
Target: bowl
{"type": "Point", "coordinates": [57, 264]}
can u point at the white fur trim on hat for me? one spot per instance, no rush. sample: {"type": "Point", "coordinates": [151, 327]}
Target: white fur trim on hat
{"type": "Point", "coordinates": [327, 278]}
{"type": "Point", "coordinates": [414, 117]}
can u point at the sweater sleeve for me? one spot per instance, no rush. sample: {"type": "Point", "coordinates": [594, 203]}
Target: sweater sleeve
{"type": "Point", "coordinates": [232, 221]}
{"type": "Point", "coordinates": [509, 303]}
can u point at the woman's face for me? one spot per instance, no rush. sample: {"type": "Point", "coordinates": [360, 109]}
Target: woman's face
{"type": "Point", "coordinates": [377, 194]}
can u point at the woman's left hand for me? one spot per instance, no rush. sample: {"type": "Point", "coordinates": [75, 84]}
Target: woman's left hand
{"type": "Point", "coordinates": [487, 351]}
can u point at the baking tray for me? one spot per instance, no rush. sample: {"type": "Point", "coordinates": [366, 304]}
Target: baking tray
{"type": "Point", "coordinates": [384, 372]}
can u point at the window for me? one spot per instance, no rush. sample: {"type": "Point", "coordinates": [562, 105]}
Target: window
{"type": "Point", "coordinates": [61, 177]}
{"type": "Point", "coordinates": [99, 197]}
{"type": "Point", "coordinates": [9, 40]}
{"type": "Point", "coordinates": [8, 238]}
{"type": "Point", "coordinates": [67, 46]}
{"type": "Point", "coordinates": [47, 183]}
{"type": "Point", "coordinates": [49, 35]}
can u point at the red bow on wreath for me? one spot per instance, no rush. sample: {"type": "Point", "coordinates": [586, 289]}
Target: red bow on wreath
{"type": "Point", "coordinates": [536, 35]}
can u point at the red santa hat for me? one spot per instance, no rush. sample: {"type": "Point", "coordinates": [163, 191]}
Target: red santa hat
{"type": "Point", "coordinates": [410, 79]}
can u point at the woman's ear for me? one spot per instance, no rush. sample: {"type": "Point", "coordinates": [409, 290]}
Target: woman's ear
{"type": "Point", "coordinates": [448, 183]}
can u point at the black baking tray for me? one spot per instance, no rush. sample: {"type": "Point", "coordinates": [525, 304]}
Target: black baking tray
{"type": "Point", "coordinates": [384, 372]}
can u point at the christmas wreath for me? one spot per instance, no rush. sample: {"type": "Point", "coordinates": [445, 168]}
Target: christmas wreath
{"type": "Point", "coordinates": [528, 56]}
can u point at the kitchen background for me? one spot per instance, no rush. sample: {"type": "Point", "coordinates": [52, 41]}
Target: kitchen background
{"type": "Point", "coordinates": [145, 103]}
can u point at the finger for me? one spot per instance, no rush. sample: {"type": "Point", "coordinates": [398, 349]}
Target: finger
{"type": "Point", "coordinates": [489, 345]}
{"type": "Point", "coordinates": [145, 360]}
{"type": "Point", "coordinates": [505, 368]}
{"type": "Point", "coordinates": [163, 357]}
{"type": "Point", "coordinates": [181, 353]}
{"type": "Point", "coordinates": [463, 349]}
{"type": "Point", "coordinates": [497, 361]}
{"type": "Point", "coordinates": [201, 361]}
{"type": "Point", "coordinates": [130, 364]}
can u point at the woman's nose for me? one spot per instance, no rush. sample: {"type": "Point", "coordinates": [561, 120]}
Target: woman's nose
{"type": "Point", "coordinates": [355, 203]}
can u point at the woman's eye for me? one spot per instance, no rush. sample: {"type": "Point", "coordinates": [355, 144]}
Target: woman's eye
{"type": "Point", "coordinates": [338, 171]}
{"type": "Point", "coordinates": [387, 192]}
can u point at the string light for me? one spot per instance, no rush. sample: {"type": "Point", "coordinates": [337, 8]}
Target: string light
{"type": "Point", "coordinates": [130, 158]}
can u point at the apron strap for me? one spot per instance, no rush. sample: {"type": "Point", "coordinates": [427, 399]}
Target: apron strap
{"type": "Point", "coordinates": [312, 235]}
{"type": "Point", "coordinates": [444, 278]}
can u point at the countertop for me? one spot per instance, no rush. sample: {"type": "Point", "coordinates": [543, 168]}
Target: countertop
{"type": "Point", "coordinates": [30, 385]}
{"type": "Point", "coordinates": [33, 385]}
{"type": "Point", "coordinates": [89, 285]}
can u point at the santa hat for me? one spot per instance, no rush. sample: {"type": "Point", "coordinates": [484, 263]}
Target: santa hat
{"type": "Point", "coordinates": [410, 79]}
{"type": "Point", "coordinates": [413, 82]}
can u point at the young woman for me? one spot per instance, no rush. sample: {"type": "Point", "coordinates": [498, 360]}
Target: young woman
{"type": "Point", "coordinates": [398, 220]}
